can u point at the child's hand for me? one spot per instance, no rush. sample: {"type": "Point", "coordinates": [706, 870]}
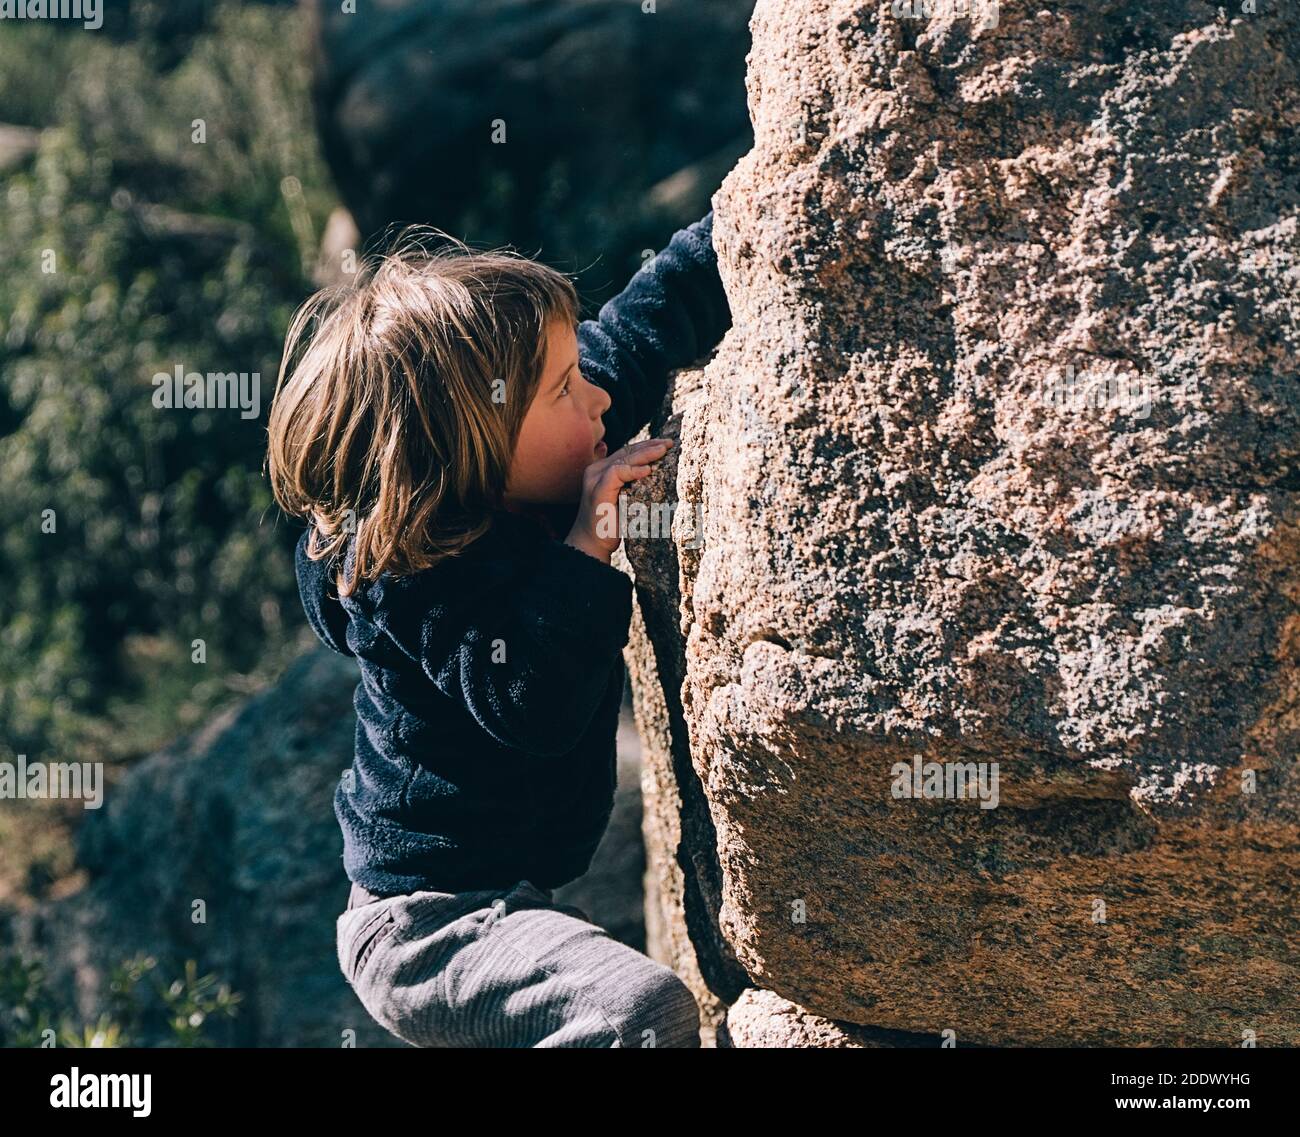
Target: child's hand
{"type": "Point", "coordinates": [595, 529]}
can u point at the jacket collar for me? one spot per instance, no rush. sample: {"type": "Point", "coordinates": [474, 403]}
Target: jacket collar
{"type": "Point", "coordinates": [552, 521]}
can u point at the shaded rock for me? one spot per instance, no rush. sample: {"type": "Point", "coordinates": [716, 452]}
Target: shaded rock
{"type": "Point", "coordinates": [683, 884]}
{"type": "Point", "coordinates": [240, 818]}
{"type": "Point", "coordinates": [618, 123]}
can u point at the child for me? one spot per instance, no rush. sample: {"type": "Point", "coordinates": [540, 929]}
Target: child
{"type": "Point", "coordinates": [455, 438]}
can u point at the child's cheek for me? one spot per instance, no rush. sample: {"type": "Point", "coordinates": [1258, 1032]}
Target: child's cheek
{"type": "Point", "coordinates": [582, 454]}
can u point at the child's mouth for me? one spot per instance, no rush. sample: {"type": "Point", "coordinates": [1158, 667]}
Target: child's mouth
{"type": "Point", "coordinates": [601, 448]}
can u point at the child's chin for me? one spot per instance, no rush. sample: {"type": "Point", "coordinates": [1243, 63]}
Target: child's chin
{"type": "Point", "coordinates": [568, 499]}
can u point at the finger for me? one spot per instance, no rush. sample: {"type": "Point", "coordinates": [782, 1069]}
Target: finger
{"type": "Point", "coordinates": [620, 457]}
{"type": "Point", "coordinates": [646, 444]}
{"type": "Point", "coordinates": [624, 472]}
{"type": "Point", "coordinates": [631, 469]}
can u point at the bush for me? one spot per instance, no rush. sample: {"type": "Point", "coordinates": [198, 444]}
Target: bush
{"type": "Point", "coordinates": [130, 531]}
{"type": "Point", "coordinates": [153, 1014]}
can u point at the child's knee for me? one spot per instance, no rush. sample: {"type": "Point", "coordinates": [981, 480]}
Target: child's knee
{"type": "Point", "coordinates": [667, 1015]}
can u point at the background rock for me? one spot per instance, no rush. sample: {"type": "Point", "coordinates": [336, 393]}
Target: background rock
{"type": "Point", "coordinates": [917, 538]}
{"type": "Point", "coordinates": [240, 816]}
{"type": "Point", "coordinates": [619, 123]}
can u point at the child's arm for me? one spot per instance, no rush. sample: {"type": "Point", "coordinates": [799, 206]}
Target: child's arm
{"type": "Point", "coordinates": [672, 312]}
{"type": "Point", "coordinates": [523, 641]}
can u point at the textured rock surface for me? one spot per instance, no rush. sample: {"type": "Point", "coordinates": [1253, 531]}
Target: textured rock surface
{"type": "Point", "coordinates": [762, 1019]}
{"type": "Point", "coordinates": [998, 464]}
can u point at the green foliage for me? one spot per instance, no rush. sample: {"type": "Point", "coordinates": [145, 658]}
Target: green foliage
{"type": "Point", "coordinates": [35, 61]}
{"type": "Point", "coordinates": [166, 252]}
{"type": "Point", "coordinates": [156, 1013]}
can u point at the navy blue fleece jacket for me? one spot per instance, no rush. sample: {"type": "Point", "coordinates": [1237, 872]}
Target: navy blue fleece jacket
{"type": "Point", "coordinates": [490, 685]}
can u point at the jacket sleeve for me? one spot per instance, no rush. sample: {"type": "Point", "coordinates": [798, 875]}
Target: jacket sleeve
{"type": "Point", "coordinates": [526, 648]}
{"type": "Point", "coordinates": [316, 589]}
{"type": "Point", "coordinates": [673, 312]}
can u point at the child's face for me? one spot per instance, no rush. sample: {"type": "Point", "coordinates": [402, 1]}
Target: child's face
{"type": "Point", "coordinates": [559, 436]}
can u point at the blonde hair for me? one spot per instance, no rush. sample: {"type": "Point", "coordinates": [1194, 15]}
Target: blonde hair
{"type": "Point", "coordinates": [400, 399]}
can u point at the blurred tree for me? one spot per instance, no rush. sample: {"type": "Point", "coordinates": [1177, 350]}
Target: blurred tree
{"type": "Point", "coordinates": [164, 251]}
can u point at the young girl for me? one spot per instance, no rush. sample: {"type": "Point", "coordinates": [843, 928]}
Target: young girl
{"type": "Point", "coordinates": [457, 441]}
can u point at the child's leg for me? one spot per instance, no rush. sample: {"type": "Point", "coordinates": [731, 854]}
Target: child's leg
{"type": "Point", "coordinates": [508, 968]}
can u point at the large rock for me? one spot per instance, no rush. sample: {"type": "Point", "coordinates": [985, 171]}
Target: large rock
{"type": "Point", "coordinates": [997, 465]}
{"type": "Point", "coordinates": [580, 128]}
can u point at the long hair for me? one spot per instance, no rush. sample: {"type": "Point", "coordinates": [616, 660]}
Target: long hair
{"type": "Point", "coordinates": [400, 399]}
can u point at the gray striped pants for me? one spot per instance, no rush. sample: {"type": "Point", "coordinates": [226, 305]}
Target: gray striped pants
{"type": "Point", "coordinates": [506, 968]}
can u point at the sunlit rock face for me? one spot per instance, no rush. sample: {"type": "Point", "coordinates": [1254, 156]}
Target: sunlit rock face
{"type": "Point", "coordinates": [997, 467]}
